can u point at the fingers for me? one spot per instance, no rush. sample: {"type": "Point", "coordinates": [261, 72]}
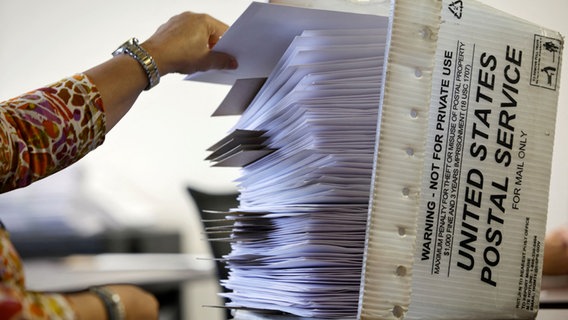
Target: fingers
{"type": "Point", "coordinates": [216, 30]}
{"type": "Point", "coordinates": [220, 60]}
{"type": "Point", "coordinates": [184, 45]}
{"type": "Point", "coordinates": [215, 59]}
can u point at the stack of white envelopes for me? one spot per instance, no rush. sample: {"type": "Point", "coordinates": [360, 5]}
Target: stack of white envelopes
{"type": "Point", "coordinates": [299, 233]}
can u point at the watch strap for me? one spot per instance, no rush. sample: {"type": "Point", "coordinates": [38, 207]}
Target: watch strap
{"type": "Point", "coordinates": [112, 302]}
{"type": "Point", "coordinates": [132, 48]}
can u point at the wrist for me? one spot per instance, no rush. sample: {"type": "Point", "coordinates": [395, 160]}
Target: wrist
{"type": "Point", "coordinates": [133, 49]}
{"type": "Point", "coordinates": [111, 301]}
{"type": "Point", "coordinates": [157, 52]}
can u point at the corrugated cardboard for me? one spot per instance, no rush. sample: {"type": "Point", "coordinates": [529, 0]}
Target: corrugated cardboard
{"type": "Point", "coordinates": [457, 230]}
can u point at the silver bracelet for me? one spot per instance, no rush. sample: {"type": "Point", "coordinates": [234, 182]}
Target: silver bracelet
{"type": "Point", "coordinates": [111, 300]}
{"type": "Point", "coordinates": [133, 49]}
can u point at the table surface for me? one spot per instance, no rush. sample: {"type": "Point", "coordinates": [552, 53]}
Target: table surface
{"type": "Point", "coordinates": [80, 271]}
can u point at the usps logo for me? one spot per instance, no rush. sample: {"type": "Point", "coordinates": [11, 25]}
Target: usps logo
{"type": "Point", "coordinates": [547, 54]}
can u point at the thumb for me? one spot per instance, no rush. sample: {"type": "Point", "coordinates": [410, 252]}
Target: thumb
{"type": "Point", "coordinates": [221, 60]}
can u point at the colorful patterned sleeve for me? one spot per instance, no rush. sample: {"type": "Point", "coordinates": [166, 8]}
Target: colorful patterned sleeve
{"type": "Point", "coordinates": [48, 129]}
{"type": "Point", "coordinates": [42, 132]}
{"type": "Point", "coordinates": [18, 303]}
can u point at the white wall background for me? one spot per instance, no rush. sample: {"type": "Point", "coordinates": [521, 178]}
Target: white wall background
{"type": "Point", "coordinates": [158, 149]}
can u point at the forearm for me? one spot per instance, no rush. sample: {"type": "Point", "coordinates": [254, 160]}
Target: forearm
{"type": "Point", "coordinates": [16, 302]}
{"type": "Point", "coordinates": [120, 80]}
{"type": "Point", "coordinates": [87, 306]}
{"type": "Point", "coordinates": [50, 128]}
{"type": "Point", "coordinates": [182, 45]}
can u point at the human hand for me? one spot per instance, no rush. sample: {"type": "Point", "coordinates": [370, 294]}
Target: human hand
{"type": "Point", "coordinates": [184, 45]}
{"type": "Point", "coordinates": [556, 252]}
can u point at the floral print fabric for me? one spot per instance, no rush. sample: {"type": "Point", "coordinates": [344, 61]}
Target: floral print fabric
{"type": "Point", "coordinates": [15, 301]}
{"type": "Point", "coordinates": [48, 129]}
{"type": "Point", "coordinates": [42, 132]}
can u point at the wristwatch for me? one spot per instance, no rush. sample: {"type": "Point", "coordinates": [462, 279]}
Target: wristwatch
{"type": "Point", "coordinates": [133, 49]}
{"type": "Point", "coordinates": [112, 302]}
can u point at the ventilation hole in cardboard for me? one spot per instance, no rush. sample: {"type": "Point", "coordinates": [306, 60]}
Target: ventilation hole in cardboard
{"type": "Point", "coordinates": [402, 231]}
{"type": "Point", "coordinates": [418, 73]}
{"type": "Point", "coordinates": [425, 33]}
{"type": "Point", "coordinates": [413, 113]}
{"type": "Point", "coordinates": [397, 311]}
{"type": "Point", "coordinates": [410, 151]}
{"type": "Point", "coordinates": [401, 271]}
{"type": "Point", "coordinates": [405, 191]}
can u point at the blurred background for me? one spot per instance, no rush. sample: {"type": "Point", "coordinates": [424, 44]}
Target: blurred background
{"type": "Point", "coordinates": [138, 179]}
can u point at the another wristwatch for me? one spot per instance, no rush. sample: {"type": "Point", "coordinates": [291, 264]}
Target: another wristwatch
{"type": "Point", "coordinates": [133, 49]}
{"type": "Point", "coordinates": [112, 302]}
